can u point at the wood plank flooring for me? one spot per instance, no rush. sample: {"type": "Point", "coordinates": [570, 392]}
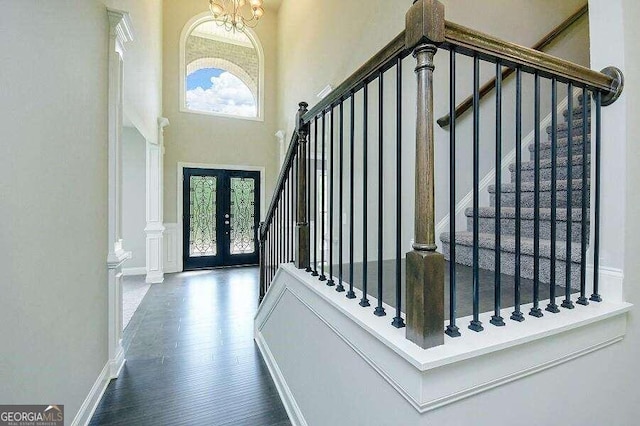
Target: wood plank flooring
{"type": "Point", "coordinates": [191, 358]}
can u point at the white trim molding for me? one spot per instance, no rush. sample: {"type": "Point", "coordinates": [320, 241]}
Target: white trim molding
{"type": "Point", "coordinates": [90, 403]}
{"type": "Point", "coordinates": [172, 261]}
{"type": "Point", "coordinates": [130, 272]}
{"type": "Point", "coordinates": [186, 31]}
{"type": "Point", "coordinates": [121, 33]}
{"type": "Point", "coordinates": [328, 326]}
{"type": "Point", "coordinates": [154, 207]}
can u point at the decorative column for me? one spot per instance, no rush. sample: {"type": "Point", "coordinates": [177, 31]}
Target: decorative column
{"type": "Point", "coordinates": [302, 252]}
{"type": "Point", "coordinates": [154, 207]}
{"type": "Point", "coordinates": [425, 267]}
{"type": "Point", "coordinates": [120, 34]}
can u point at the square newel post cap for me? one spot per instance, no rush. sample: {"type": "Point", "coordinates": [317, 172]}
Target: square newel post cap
{"type": "Point", "coordinates": [424, 23]}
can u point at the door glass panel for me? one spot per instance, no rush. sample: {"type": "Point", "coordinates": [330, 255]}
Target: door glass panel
{"type": "Point", "coordinates": [242, 215]}
{"type": "Point", "coordinates": [202, 238]}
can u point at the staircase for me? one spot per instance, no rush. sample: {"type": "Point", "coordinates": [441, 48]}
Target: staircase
{"type": "Point", "coordinates": [487, 215]}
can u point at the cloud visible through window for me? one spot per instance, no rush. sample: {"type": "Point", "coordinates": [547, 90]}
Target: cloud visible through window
{"type": "Point", "coordinates": [214, 90]}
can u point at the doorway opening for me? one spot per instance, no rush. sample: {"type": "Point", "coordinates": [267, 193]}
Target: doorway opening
{"type": "Point", "coordinates": [221, 213]}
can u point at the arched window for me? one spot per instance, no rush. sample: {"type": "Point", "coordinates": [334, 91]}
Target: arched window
{"type": "Point", "coordinates": [221, 71]}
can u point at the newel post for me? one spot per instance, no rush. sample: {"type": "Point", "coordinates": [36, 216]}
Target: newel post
{"type": "Point", "coordinates": [302, 252]}
{"type": "Point", "coordinates": [425, 267]}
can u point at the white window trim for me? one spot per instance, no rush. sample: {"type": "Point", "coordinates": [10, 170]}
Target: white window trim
{"type": "Point", "coordinates": [186, 30]}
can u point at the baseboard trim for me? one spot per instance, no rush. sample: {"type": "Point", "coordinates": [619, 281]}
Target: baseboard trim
{"type": "Point", "coordinates": [154, 278]}
{"type": "Point", "coordinates": [116, 365]}
{"type": "Point", "coordinates": [288, 400]}
{"type": "Point", "coordinates": [88, 407]}
{"type": "Point", "coordinates": [141, 270]}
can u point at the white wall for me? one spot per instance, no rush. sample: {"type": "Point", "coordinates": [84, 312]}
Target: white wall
{"type": "Point", "coordinates": [143, 66]}
{"type": "Point", "coordinates": [312, 55]}
{"type": "Point", "coordinates": [53, 200]}
{"type": "Point", "coordinates": [53, 188]}
{"type": "Point", "coordinates": [600, 388]}
{"type": "Point", "coordinates": [206, 139]}
{"type": "Point", "coordinates": [133, 196]}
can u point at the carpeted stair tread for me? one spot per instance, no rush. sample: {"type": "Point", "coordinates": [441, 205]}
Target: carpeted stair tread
{"type": "Point", "coordinates": [508, 245]}
{"type": "Point", "coordinates": [561, 144]}
{"type": "Point", "coordinates": [564, 127]}
{"type": "Point", "coordinates": [545, 186]}
{"type": "Point", "coordinates": [545, 163]}
{"type": "Point", "coordinates": [527, 213]}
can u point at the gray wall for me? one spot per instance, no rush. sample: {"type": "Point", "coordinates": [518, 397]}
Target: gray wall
{"type": "Point", "coordinates": [134, 220]}
{"type": "Point", "coordinates": [53, 201]}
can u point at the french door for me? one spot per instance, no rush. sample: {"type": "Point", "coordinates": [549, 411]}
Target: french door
{"type": "Point", "coordinates": [221, 214]}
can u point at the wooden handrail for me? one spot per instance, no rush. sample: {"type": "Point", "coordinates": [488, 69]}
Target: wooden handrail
{"type": "Point", "coordinates": [286, 166]}
{"type": "Point", "coordinates": [467, 104]}
{"type": "Point", "coordinates": [368, 71]}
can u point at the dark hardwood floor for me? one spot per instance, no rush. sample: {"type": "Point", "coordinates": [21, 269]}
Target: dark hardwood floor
{"type": "Point", "coordinates": [191, 358]}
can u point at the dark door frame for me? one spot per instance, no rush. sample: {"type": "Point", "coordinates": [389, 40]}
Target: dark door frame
{"type": "Point", "coordinates": [223, 257]}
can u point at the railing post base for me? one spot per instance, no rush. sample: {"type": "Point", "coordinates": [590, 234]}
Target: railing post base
{"type": "Point", "coordinates": [302, 254]}
{"type": "Point", "coordinates": [425, 298]}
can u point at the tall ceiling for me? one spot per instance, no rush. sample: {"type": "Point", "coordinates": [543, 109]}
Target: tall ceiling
{"type": "Point", "coordinates": [272, 4]}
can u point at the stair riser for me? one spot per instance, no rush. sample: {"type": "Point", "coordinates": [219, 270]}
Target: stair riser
{"type": "Point", "coordinates": [527, 198]}
{"type": "Point", "coordinates": [508, 227]}
{"type": "Point", "coordinates": [464, 256]}
{"type": "Point", "coordinates": [545, 174]}
{"type": "Point", "coordinates": [561, 151]}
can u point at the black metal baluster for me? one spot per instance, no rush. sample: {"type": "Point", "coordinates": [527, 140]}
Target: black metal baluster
{"type": "Point", "coordinates": [379, 311]}
{"type": "Point", "coordinates": [331, 282]}
{"type": "Point", "coordinates": [323, 277]}
{"type": "Point", "coordinates": [517, 313]}
{"type": "Point", "coordinates": [552, 307]}
{"type": "Point", "coordinates": [475, 324]}
{"type": "Point", "coordinates": [351, 294]}
{"type": "Point", "coordinates": [398, 321]}
{"type": "Point", "coordinates": [285, 213]}
{"type": "Point", "coordinates": [567, 303]}
{"type": "Point", "coordinates": [496, 318]}
{"type": "Point", "coordinates": [364, 301]}
{"type": "Point", "coordinates": [309, 268]}
{"type": "Point", "coordinates": [340, 286]}
{"type": "Point", "coordinates": [452, 329]}
{"type": "Point", "coordinates": [535, 310]}
{"type": "Point", "coordinates": [582, 300]}
{"type": "Point", "coordinates": [315, 198]}
{"type": "Point", "coordinates": [596, 227]}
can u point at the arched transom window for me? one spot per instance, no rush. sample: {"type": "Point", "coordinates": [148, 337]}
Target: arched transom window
{"type": "Point", "coordinates": [221, 70]}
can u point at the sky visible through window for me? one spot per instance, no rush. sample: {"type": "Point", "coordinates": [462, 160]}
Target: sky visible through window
{"type": "Point", "coordinates": [219, 91]}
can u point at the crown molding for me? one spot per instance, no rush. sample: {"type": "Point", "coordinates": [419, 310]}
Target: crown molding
{"type": "Point", "coordinates": [121, 27]}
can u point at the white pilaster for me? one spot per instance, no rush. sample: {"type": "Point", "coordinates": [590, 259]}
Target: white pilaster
{"type": "Point", "coordinates": [120, 34]}
{"type": "Point", "coordinates": [155, 226]}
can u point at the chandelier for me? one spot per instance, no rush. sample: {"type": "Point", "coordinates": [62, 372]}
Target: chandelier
{"type": "Point", "coordinates": [236, 14]}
